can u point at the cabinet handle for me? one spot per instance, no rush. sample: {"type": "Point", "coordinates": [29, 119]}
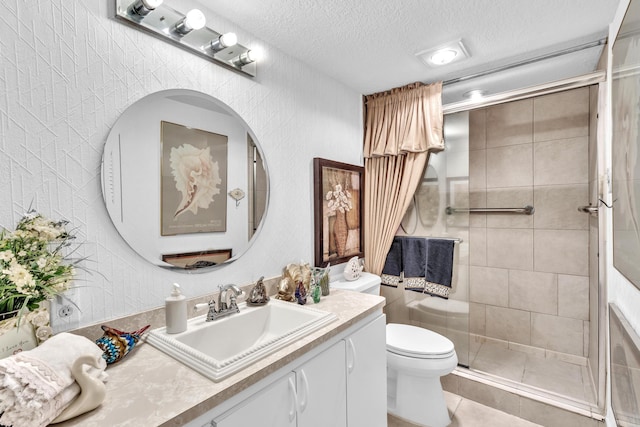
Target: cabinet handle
{"type": "Point", "coordinates": [305, 384]}
{"type": "Point", "coordinates": [294, 400]}
{"type": "Point", "coordinates": [351, 364]}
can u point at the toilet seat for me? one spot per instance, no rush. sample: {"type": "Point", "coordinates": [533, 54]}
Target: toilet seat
{"type": "Point", "coordinates": [419, 343]}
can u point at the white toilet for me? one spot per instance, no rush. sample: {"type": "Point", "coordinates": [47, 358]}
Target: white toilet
{"type": "Point", "coordinates": [416, 359]}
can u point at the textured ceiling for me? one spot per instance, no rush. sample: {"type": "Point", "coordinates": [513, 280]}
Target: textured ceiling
{"type": "Point", "coordinates": [370, 45]}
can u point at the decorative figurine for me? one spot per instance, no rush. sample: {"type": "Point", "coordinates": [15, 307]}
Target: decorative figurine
{"type": "Point", "coordinates": [258, 294]}
{"type": "Point", "coordinates": [117, 344]}
{"type": "Point", "coordinates": [315, 293]}
{"type": "Point", "coordinates": [353, 269]}
{"type": "Point", "coordinates": [301, 294]}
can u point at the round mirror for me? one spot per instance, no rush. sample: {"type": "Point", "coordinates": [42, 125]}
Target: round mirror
{"type": "Point", "coordinates": [184, 180]}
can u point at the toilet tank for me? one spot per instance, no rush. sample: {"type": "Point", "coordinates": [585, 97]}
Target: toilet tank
{"type": "Point", "coordinates": [367, 283]}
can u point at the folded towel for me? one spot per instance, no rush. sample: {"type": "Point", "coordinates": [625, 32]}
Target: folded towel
{"type": "Point", "coordinates": [37, 385]}
{"type": "Point", "coordinates": [393, 264]}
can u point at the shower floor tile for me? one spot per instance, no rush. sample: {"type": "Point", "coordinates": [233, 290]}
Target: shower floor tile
{"type": "Point", "coordinates": [549, 374]}
{"type": "Point", "coordinates": [496, 359]}
{"type": "Point", "coordinates": [467, 413]}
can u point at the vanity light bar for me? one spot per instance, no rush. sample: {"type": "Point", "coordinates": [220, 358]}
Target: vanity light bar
{"type": "Point", "coordinates": [187, 31]}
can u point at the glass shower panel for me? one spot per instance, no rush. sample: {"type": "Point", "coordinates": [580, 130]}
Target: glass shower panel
{"type": "Point", "coordinates": [445, 183]}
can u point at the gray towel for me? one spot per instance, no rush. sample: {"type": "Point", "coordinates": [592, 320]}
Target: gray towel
{"type": "Point", "coordinates": [393, 264]}
{"type": "Point", "coordinates": [439, 261]}
{"type": "Point", "coordinates": [414, 256]}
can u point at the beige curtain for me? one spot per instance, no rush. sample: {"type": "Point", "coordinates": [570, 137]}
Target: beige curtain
{"type": "Point", "coordinates": [402, 127]}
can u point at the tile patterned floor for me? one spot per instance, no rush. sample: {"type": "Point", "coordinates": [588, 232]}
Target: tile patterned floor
{"type": "Point", "coordinates": [467, 413]}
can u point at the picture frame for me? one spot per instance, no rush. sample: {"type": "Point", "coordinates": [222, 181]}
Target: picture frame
{"type": "Point", "coordinates": [338, 211]}
{"type": "Point", "coordinates": [200, 259]}
{"type": "Point", "coordinates": [625, 84]}
{"type": "Point", "coordinates": [192, 201]}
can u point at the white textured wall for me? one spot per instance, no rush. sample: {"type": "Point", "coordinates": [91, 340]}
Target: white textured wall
{"type": "Point", "coordinates": [66, 73]}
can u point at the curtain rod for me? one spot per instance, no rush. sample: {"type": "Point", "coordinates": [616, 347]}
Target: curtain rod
{"type": "Point", "coordinates": [555, 54]}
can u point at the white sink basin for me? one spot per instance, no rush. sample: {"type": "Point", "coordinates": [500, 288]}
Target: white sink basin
{"type": "Point", "coordinates": [220, 348]}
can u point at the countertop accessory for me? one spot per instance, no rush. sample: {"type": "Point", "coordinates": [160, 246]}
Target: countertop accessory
{"type": "Point", "coordinates": [36, 384]}
{"type": "Point", "coordinates": [258, 294]}
{"type": "Point", "coordinates": [353, 269]}
{"type": "Point", "coordinates": [175, 310]}
{"type": "Point", "coordinates": [116, 344]}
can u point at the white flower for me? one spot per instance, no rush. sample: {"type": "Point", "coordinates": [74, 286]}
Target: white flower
{"type": "Point", "coordinates": [6, 256]}
{"type": "Point", "coordinates": [339, 200]}
{"type": "Point", "coordinates": [42, 262]}
{"type": "Point", "coordinates": [43, 333]}
{"type": "Point", "coordinates": [39, 318]}
{"type": "Point", "coordinates": [21, 277]}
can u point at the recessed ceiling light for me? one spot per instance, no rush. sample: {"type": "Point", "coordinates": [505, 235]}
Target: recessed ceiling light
{"type": "Point", "coordinates": [474, 94]}
{"type": "Point", "coordinates": [444, 54]}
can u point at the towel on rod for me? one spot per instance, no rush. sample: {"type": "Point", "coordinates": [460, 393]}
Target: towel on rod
{"type": "Point", "coordinates": [438, 269]}
{"type": "Point", "coordinates": [37, 385]}
{"type": "Point", "coordinates": [392, 270]}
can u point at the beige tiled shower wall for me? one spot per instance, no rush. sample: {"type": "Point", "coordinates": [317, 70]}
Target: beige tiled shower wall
{"type": "Point", "coordinates": [529, 275]}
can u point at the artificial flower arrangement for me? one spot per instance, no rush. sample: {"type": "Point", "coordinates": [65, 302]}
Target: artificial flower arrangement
{"type": "Point", "coordinates": [339, 199]}
{"type": "Point", "coordinates": [33, 268]}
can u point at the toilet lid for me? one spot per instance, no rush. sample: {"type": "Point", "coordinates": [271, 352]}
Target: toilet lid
{"type": "Point", "coordinates": [413, 341]}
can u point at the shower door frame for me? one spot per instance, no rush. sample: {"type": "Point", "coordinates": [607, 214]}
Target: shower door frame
{"type": "Point", "coordinates": [596, 78]}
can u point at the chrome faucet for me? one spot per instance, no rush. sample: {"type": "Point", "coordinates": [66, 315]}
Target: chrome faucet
{"type": "Point", "coordinates": [224, 308]}
{"type": "Point", "coordinates": [232, 306]}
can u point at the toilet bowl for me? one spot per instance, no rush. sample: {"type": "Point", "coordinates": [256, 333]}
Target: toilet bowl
{"type": "Point", "coordinates": [416, 359]}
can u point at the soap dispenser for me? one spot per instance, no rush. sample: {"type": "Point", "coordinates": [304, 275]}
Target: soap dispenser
{"type": "Point", "coordinates": [176, 311]}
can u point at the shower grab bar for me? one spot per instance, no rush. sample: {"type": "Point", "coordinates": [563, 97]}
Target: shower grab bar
{"type": "Point", "coordinates": [527, 210]}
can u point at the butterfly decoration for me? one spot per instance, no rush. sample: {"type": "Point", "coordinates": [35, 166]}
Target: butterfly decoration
{"type": "Point", "coordinates": [116, 344]}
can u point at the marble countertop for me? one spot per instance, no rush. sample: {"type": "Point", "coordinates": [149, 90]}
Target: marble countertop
{"type": "Point", "coordinates": [149, 388]}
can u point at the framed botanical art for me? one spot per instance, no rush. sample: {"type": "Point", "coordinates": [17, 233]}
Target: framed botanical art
{"type": "Point", "coordinates": [193, 194]}
{"type": "Point", "coordinates": [338, 211]}
{"type": "Point", "coordinates": [626, 145]}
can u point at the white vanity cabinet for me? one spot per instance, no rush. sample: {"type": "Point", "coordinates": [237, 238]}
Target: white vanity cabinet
{"type": "Point", "coordinates": [342, 384]}
{"type": "Point", "coordinates": [313, 395]}
{"type": "Point", "coordinates": [366, 375]}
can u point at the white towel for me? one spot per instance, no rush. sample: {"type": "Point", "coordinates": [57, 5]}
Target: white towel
{"type": "Point", "coordinates": [36, 385]}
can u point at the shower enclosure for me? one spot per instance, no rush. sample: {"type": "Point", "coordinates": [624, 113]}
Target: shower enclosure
{"type": "Point", "coordinates": [516, 188]}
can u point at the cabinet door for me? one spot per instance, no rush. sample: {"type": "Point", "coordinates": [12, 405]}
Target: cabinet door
{"type": "Point", "coordinates": [274, 406]}
{"type": "Point", "coordinates": [322, 391]}
{"type": "Point", "coordinates": [367, 375]}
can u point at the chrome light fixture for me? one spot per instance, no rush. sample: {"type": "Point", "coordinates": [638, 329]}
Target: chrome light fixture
{"type": "Point", "coordinates": [187, 31]}
{"type": "Point", "coordinates": [142, 8]}
{"type": "Point", "coordinates": [193, 21]}
{"type": "Point", "coordinates": [224, 41]}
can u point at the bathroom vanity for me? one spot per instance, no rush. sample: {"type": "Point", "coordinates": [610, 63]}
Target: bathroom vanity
{"type": "Point", "coordinates": [334, 376]}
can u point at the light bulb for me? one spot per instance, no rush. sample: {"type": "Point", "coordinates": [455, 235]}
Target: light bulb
{"type": "Point", "coordinates": [443, 56]}
{"type": "Point", "coordinates": [224, 41]}
{"type": "Point", "coordinates": [151, 4]}
{"type": "Point", "coordinates": [194, 20]}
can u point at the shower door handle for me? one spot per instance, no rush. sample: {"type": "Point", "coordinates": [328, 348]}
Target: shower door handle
{"type": "Point", "coordinates": [593, 210]}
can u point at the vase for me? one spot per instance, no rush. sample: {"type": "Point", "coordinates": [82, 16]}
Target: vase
{"type": "Point", "coordinates": [15, 337]}
{"type": "Point", "coordinates": [23, 332]}
{"type": "Point", "coordinates": [340, 231]}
